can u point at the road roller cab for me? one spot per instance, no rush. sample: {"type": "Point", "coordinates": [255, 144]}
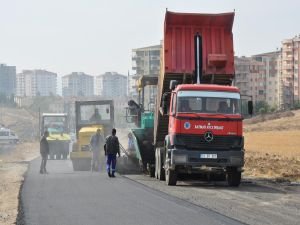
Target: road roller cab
{"type": "Point", "coordinates": [59, 138]}
{"type": "Point", "coordinates": [90, 116]}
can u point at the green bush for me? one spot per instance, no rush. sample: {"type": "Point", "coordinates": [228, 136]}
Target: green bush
{"type": "Point", "coordinates": [262, 107]}
{"type": "Point", "coordinates": [262, 111]}
{"type": "Point", "coordinates": [297, 105]}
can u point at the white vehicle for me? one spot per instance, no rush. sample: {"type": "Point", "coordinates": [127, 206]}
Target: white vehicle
{"type": "Point", "coordinates": [7, 136]}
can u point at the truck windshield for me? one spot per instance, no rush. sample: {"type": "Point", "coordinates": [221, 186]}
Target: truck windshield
{"type": "Point", "coordinates": [208, 102]}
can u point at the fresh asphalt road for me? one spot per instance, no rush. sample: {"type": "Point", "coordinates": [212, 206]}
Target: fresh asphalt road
{"type": "Point", "coordinates": [64, 197]}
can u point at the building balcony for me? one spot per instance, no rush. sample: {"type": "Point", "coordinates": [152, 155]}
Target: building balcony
{"type": "Point", "coordinates": [290, 67]}
{"type": "Point", "coordinates": [155, 58]}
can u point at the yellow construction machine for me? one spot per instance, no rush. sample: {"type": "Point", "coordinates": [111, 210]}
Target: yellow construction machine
{"type": "Point", "coordinates": [59, 138]}
{"type": "Point", "coordinates": [90, 116]}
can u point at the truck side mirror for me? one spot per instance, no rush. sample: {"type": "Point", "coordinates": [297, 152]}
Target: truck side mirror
{"type": "Point", "coordinates": [165, 108]}
{"type": "Point", "coordinates": [250, 107]}
{"type": "Point", "coordinates": [165, 103]}
{"type": "Point", "coordinates": [173, 84]}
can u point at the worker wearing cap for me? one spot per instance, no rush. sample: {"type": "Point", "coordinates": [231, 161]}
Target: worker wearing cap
{"type": "Point", "coordinates": [96, 142]}
{"type": "Point", "coordinates": [112, 148]}
{"type": "Point", "coordinates": [44, 150]}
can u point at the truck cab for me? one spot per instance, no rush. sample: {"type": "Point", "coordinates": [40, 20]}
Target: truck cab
{"type": "Point", "coordinates": [205, 130]}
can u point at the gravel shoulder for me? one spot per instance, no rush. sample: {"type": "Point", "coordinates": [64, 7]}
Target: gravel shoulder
{"type": "Point", "coordinates": [255, 202]}
{"type": "Point", "coordinates": [13, 164]}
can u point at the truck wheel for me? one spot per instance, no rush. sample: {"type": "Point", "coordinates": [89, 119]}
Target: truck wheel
{"type": "Point", "coordinates": [233, 177]}
{"type": "Point", "coordinates": [160, 169]}
{"type": "Point", "coordinates": [156, 164]}
{"type": "Point", "coordinates": [152, 172]}
{"type": "Point", "coordinates": [171, 177]}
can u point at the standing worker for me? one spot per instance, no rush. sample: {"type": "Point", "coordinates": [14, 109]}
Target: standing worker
{"type": "Point", "coordinates": [112, 148]}
{"type": "Point", "coordinates": [96, 143]}
{"type": "Point", "coordinates": [44, 150]}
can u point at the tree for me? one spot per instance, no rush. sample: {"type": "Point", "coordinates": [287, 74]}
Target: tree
{"type": "Point", "coordinates": [297, 105]}
{"type": "Point", "coordinates": [262, 107]}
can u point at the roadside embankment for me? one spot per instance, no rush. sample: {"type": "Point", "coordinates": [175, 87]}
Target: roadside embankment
{"type": "Point", "coordinates": [13, 165]}
{"type": "Point", "coordinates": [272, 144]}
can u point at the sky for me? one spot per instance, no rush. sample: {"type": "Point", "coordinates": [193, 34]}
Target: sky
{"type": "Point", "coordinates": [96, 36]}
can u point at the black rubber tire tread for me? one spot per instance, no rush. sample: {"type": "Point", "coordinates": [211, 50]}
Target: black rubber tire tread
{"type": "Point", "coordinates": [233, 177]}
{"type": "Point", "coordinates": [152, 172]}
{"type": "Point", "coordinates": [161, 171]}
{"type": "Point", "coordinates": [171, 177]}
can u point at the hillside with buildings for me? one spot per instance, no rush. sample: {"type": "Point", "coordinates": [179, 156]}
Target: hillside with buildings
{"type": "Point", "coordinates": [272, 77]}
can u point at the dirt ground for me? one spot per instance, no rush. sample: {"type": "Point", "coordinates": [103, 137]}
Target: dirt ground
{"type": "Point", "coordinates": [21, 121]}
{"type": "Point", "coordinates": [273, 147]}
{"type": "Point", "coordinates": [13, 165]}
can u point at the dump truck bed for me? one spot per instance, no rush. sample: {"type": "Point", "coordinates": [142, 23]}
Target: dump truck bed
{"type": "Point", "coordinates": [178, 55]}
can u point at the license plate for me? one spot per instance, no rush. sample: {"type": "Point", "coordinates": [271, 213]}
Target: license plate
{"type": "Point", "coordinates": [208, 156]}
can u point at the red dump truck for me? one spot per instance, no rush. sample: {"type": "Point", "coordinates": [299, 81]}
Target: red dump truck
{"type": "Point", "coordinates": [198, 119]}
{"type": "Point", "coordinates": [197, 125]}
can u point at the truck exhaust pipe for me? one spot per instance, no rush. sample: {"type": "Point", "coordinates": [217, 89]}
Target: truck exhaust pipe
{"type": "Point", "coordinates": [198, 58]}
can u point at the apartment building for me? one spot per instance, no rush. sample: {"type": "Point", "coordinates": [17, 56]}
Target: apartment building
{"type": "Point", "coordinates": [259, 77]}
{"type": "Point", "coordinates": [271, 72]}
{"type": "Point", "coordinates": [111, 84]}
{"type": "Point", "coordinates": [78, 84]}
{"type": "Point", "coordinates": [145, 62]}
{"type": "Point", "coordinates": [291, 71]}
{"type": "Point", "coordinates": [249, 79]}
{"type": "Point", "coordinates": [36, 83]}
{"type": "Point", "coordinates": [7, 79]}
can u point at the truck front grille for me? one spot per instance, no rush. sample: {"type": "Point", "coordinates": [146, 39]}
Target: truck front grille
{"type": "Point", "coordinates": [219, 143]}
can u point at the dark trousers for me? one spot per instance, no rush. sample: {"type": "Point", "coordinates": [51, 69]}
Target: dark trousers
{"type": "Point", "coordinates": [111, 161]}
{"type": "Point", "coordinates": [44, 163]}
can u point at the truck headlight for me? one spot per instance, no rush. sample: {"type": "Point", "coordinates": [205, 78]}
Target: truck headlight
{"type": "Point", "coordinates": [179, 158]}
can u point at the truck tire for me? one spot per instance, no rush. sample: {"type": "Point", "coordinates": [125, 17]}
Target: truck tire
{"type": "Point", "coordinates": [156, 164]}
{"type": "Point", "coordinates": [171, 177]}
{"type": "Point", "coordinates": [161, 171]}
{"type": "Point", "coordinates": [233, 177]}
{"type": "Point", "coordinates": [152, 172]}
